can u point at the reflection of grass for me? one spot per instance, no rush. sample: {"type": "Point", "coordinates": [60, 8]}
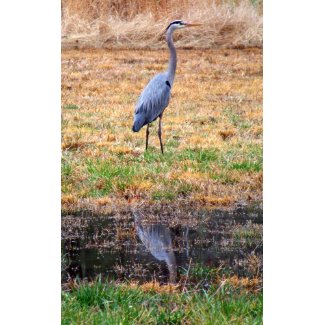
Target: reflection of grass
{"type": "Point", "coordinates": [199, 272]}
{"type": "Point", "coordinates": [212, 136]}
{"type": "Point", "coordinates": [100, 303]}
{"type": "Point", "coordinates": [249, 234]}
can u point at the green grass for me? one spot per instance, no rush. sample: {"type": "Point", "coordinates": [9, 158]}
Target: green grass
{"type": "Point", "coordinates": [223, 178]}
{"type": "Point", "coordinates": [244, 158]}
{"type": "Point", "coordinates": [66, 169]}
{"type": "Point", "coordinates": [156, 156]}
{"type": "Point", "coordinates": [247, 166]}
{"type": "Point", "coordinates": [119, 176]}
{"type": "Point", "coordinates": [111, 177]}
{"type": "Point", "coordinates": [109, 303]}
{"type": "Point", "coordinates": [199, 155]}
{"type": "Point", "coordinates": [173, 190]}
{"type": "Point", "coordinates": [164, 195]}
{"type": "Point", "coordinates": [71, 107]}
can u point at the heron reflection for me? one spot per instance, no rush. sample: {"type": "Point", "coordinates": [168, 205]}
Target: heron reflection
{"type": "Point", "coordinates": [157, 239]}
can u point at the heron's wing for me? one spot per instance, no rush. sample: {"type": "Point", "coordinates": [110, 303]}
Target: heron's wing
{"type": "Point", "coordinates": [154, 98]}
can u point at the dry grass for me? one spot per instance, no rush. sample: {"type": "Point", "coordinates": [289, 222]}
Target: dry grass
{"type": "Point", "coordinates": [139, 24]}
{"type": "Point", "coordinates": [249, 284]}
{"type": "Point", "coordinates": [154, 286]}
{"type": "Point", "coordinates": [212, 129]}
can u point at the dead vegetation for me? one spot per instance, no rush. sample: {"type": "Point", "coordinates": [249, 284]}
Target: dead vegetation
{"type": "Point", "coordinates": [140, 24]}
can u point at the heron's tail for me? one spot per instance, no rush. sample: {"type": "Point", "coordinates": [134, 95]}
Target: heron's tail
{"type": "Point", "coordinates": [139, 122]}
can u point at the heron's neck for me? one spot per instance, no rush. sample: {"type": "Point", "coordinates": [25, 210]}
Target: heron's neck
{"type": "Point", "coordinates": [172, 56]}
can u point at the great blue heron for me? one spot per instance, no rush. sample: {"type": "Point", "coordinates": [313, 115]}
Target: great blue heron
{"type": "Point", "coordinates": [155, 96]}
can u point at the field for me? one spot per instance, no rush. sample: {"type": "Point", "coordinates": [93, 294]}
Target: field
{"type": "Point", "coordinates": [119, 200]}
{"type": "Point", "coordinates": [212, 130]}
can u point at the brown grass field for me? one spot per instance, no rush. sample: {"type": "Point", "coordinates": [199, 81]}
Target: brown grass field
{"type": "Point", "coordinates": [212, 129]}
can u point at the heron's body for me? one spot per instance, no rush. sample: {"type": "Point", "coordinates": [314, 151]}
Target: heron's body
{"type": "Point", "coordinates": [153, 101]}
{"type": "Point", "coordinates": [155, 97]}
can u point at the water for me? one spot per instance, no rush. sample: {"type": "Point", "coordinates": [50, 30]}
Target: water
{"type": "Point", "coordinates": [142, 246]}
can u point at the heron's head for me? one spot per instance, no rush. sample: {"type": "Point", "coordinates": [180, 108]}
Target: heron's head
{"type": "Point", "coordinates": [176, 24]}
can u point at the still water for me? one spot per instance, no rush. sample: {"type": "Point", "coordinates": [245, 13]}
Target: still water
{"type": "Point", "coordinates": [142, 246]}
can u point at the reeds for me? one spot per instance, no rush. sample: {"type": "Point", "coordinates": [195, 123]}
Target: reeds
{"type": "Point", "coordinates": [140, 24]}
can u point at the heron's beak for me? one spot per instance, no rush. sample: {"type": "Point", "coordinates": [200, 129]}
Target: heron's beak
{"type": "Point", "coordinates": [192, 25]}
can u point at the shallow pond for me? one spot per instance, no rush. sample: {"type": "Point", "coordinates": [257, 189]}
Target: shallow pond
{"type": "Point", "coordinates": [144, 246]}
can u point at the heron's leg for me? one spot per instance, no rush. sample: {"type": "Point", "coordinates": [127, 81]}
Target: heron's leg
{"type": "Point", "coordinates": [147, 136]}
{"type": "Point", "coordinates": [159, 134]}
